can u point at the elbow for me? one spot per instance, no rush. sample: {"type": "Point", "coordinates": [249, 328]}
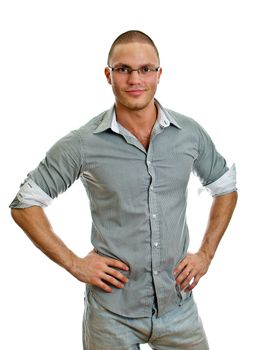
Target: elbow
{"type": "Point", "coordinates": [19, 214]}
{"type": "Point", "coordinates": [16, 214]}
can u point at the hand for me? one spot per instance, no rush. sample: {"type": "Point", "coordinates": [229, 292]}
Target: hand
{"type": "Point", "coordinates": [96, 270]}
{"type": "Point", "coordinates": [190, 270]}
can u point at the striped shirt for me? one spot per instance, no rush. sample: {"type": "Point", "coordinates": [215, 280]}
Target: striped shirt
{"type": "Point", "coordinates": [137, 199]}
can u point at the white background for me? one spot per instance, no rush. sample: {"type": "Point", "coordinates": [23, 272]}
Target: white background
{"type": "Point", "coordinates": [53, 54]}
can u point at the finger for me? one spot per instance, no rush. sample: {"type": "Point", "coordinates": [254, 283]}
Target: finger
{"type": "Point", "coordinates": [99, 283]}
{"type": "Point", "coordinates": [186, 282]}
{"type": "Point", "coordinates": [181, 266]}
{"type": "Point", "coordinates": [183, 275]}
{"type": "Point", "coordinates": [194, 284]}
{"type": "Point", "coordinates": [113, 281]}
{"type": "Point", "coordinates": [116, 263]}
{"type": "Point", "coordinates": [116, 274]}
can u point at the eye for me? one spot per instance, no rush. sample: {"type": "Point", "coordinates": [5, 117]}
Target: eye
{"type": "Point", "coordinates": [123, 70]}
{"type": "Point", "coordinates": [145, 69]}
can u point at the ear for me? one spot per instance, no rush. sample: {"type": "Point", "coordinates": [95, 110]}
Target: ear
{"type": "Point", "coordinates": [159, 74]}
{"type": "Point", "coordinates": [108, 75]}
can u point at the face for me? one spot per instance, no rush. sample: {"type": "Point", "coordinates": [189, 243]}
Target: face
{"type": "Point", "coordinates": [134, 91]}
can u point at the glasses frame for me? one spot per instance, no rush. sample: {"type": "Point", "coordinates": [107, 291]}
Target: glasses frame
{"type": "Point", "coordinates": [130, 70]}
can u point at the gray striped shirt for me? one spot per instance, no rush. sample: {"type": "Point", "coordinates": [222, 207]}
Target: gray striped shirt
{"type": "Point", "coordinates": [137, 198]}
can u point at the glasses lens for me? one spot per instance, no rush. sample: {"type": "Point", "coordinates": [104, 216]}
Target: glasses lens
{"type": "Point", "coordinates": [147, 70]}
{"type": "Point", "coordinates": [144, 70]}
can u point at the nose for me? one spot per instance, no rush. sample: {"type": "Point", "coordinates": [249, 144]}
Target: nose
{"type": "Point", "coordinates": [134, 77]}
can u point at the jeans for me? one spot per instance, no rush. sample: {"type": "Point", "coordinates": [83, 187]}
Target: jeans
{"type": "Point", "coordinates": [178, 329]}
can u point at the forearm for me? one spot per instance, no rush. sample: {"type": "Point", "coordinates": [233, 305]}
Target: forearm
{"type": "Point", "coordinates": [36, 225]}
{"type": "Point", "coordinates": [219, 218]}
{"type": "Point", "coordinates": [93, 269]}
{"type": "Point", "coordinates": [194, 266]}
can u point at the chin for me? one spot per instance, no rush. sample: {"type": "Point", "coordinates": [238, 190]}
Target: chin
{"type": "Point", "coordinates": [135, 105]}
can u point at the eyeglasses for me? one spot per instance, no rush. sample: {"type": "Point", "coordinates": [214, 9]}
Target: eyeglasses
{"type": "Point", "coordinates": [125, 70]}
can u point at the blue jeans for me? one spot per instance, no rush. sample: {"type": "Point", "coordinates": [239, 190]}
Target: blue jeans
{"type": "Point", "coordinates": [178, 329]}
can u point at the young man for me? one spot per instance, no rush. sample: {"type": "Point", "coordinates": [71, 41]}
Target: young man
{"type": "Point", "coordinates": [134, 161]}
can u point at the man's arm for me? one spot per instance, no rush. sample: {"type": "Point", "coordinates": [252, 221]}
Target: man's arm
{"type": "Point", "coordinates": [194, 266]}
{"type": "Point", "coordinates": [93, 269]}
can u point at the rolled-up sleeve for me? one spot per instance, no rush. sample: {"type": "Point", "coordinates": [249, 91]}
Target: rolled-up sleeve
{"type": "Point", "coordinates": [211, 168]}
{"type": "Point", "coordinates": [55, 173]}
{"type": "Point", "coordinates": [225, 184]}
{"type": "Point", "coordinates": [31, 194]}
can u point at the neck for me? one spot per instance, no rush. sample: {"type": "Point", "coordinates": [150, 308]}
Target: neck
{"type": "Point", "coordinates": [137, 121]}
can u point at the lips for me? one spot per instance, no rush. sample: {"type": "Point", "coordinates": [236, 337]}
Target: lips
{"type": "Point", "coordinates": [135, 92]}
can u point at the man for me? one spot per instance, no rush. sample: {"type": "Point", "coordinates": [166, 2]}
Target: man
{"type": "Point", "coordinates": [134, 161]}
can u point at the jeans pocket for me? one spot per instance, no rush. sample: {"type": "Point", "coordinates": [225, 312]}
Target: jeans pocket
{"type": "Point", "coordinates": [182, 295]}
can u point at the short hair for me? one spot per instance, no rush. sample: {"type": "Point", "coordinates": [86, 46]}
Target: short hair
{"type": "Point", "coordinates": [132, 36]}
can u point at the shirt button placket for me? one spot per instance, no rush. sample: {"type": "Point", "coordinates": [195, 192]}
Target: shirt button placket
{"type": "Point", "coordinates": [154, 222]}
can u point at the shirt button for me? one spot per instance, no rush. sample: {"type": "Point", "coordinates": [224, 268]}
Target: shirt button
{"type": "Point", "coordinates": [154, 216]}
{"type": "Point", "coordinates": [148, 162]}
{"type": "Point", "coordinates": [155, 272]}
{"type": "Point", "coordinates": [151, 188]}
{"type": "Point", "coordinates": [156, 244]}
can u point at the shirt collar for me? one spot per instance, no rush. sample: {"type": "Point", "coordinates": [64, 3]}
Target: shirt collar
{"type": "Point", "coordinates": [106, 121]}
{"type": "Point", "coordinates": [109, 121]}
{"type": "Point", "coordinates": [166, 117]}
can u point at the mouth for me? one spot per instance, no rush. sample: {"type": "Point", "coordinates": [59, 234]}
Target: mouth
{"type": "Point", "coordinates": [135, 92]}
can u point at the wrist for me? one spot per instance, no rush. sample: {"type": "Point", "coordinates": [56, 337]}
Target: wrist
{"type": "Point", "coordinates": [72, 264]}
{"type": "Point", "coordinates": [206, 254]}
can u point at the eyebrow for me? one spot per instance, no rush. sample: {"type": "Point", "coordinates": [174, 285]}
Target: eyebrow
{"type": "Point", "coordinates": [128, 66]}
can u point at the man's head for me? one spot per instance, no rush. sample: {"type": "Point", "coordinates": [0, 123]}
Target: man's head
{"type": "Point", "coordinates": [133, 70]}
{"type": "Point", "coordinates": [130, 37]}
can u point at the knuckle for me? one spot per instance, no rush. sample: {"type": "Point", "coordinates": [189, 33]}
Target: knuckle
{"type": "Point", "coordinates": [118, 284]}
{"type": "Point", "coordinates": [114, 282]}
{"type": "Point", "coordinates": [121, 277]}
{"type": "Point", "coordinates": [98, 265]}
{"type": "Point", "coordinates": [115, 273]}
{"type": "Point", "coordinates": [124, 278]}
{"type": "Point", "coordinates": [94, 280]}
{"type": "Point", "coordinates": [104, 287]}
{"type": "Point", "coordinates": [179, 279]}
{"type": "Point", "coordinates": [111, 279]}
{"type": "Point", "coordinates": [118, 263]}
